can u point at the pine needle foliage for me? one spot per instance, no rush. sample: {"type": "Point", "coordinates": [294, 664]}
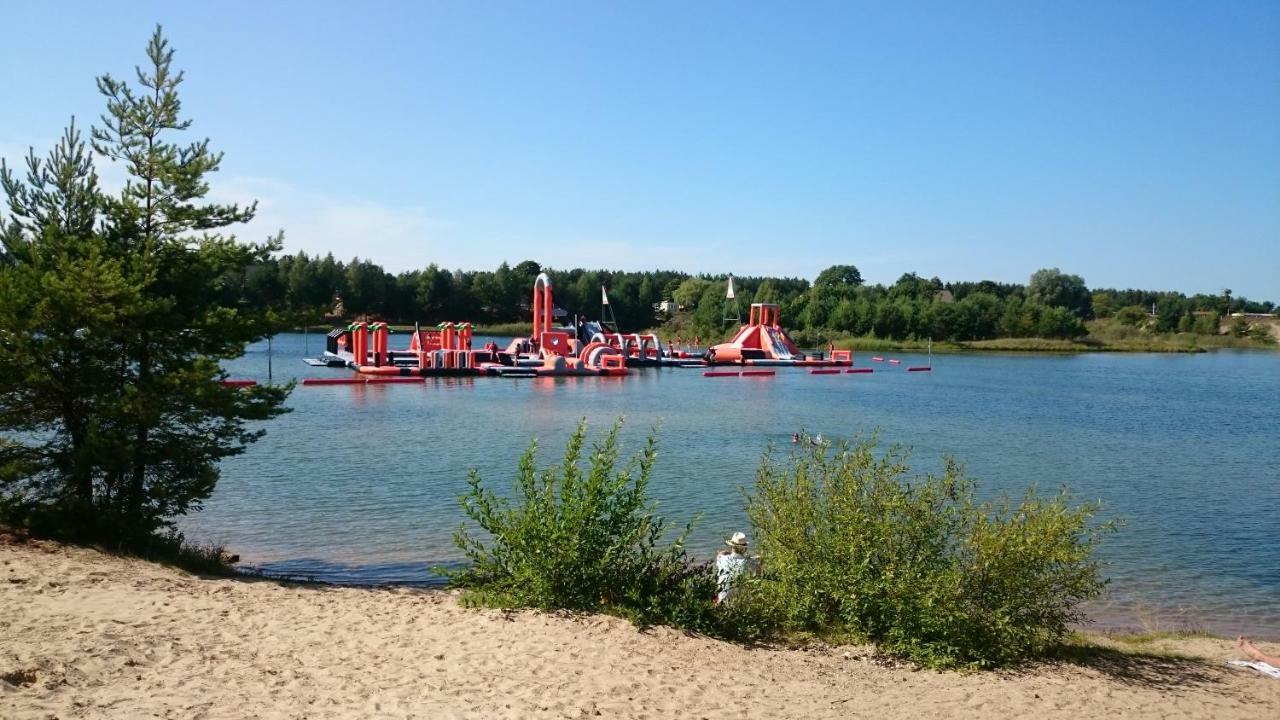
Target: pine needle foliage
{"type": "Point", "coordinates": [115, 311]}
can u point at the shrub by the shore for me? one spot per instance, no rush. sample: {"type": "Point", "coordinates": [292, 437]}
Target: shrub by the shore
{"type": "Point", "coordinates": [583, 539]}
{"type": "Point", "coordinates": [851, 546]}
{"type": "Point", "coordinates": [511, 329]}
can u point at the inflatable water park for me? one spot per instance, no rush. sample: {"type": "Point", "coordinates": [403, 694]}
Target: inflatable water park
{"type": "Point", "coordinates": [446, 350]}
{"type": "Point", "coordinates": [582, 349]}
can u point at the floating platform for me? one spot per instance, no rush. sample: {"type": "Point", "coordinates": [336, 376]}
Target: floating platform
{"type": "Point", "coordinates": [508, 371]}
{"type": "Point", "coordinates": [665, 362]}
{"type": "Point", "coordinates": [326, 361]}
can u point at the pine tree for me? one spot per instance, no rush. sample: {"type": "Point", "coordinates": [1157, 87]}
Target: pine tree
{"type": "Point", "coordinates": [117, 311]}
{"type": "Point", "coordinates": [62, 300]}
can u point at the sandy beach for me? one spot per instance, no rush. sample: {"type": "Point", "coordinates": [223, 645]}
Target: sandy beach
{"type": "Point", "coordinates": [88, 635]}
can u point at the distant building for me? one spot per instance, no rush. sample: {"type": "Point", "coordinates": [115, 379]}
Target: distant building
{"type": "Point", "coordinates": [944, 296]}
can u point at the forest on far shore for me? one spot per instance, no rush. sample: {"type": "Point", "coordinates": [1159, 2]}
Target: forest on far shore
{"type": "Point", "coordinates": [1052, 304]}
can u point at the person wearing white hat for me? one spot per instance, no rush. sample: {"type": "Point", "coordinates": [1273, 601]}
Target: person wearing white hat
{"type": "Point", "coordinates": [729, 565]}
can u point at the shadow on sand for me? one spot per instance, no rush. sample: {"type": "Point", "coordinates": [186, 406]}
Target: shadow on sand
{"type": "Point", "coordinates": [1162, 671]}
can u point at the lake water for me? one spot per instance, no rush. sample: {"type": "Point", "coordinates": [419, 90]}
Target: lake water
{"type": "Point", "coordinates": [360, 484]}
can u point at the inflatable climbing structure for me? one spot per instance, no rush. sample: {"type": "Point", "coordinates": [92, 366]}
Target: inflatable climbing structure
{"type": "Point", "coordinates": [762, 341]}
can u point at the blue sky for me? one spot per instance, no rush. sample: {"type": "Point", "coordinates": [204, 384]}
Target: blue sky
{"type": "Point", "coordinates": [1136, 144]}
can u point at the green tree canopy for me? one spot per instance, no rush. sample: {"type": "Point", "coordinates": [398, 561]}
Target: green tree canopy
{"type": "Point", "coordinates": [837, 276]}
{"type": "Point", "coordinates": [1057, 289]}
{"type": "Point", "coordinates": [114, 314]}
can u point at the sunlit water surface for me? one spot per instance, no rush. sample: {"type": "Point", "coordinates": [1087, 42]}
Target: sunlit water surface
{"type": "Point", "coordinates": [361, 484]}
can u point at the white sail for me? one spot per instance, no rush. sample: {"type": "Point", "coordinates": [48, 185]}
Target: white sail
{"type": "Point", "coordinates": [729, 295]}
{"type": "Point", "coordinates": [604, 296]}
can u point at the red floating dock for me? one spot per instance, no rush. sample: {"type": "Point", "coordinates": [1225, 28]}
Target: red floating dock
{"type": "Point", "coordinates": [720, 373]}
{"type": "Point", "coordinates": [877, 359]}
{"type": "Point", "coordinates": [393, 380]}
{"type": "Point", "coordinates": [920, 369]}
{"type": "Point", "coordinates": [239, 383]}
{"type": "Point", "coordinates": [335, 381]}
{"type": "Point", "coordinates": [825, 371]}
{"type": "Point", "coordinates": [758, 373]}
{"type": "Point", "coordinates": [859, 370]}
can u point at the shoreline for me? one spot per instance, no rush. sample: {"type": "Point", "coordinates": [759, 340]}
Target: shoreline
{"type": "Point", "coordinates": [1041, 346]}
{"type": "Point", "coordinates": [975, 347]}
{"type": "Point", "coordinates": [92, 635]}
{"type": "Point", "coordinates": [1109, 617]}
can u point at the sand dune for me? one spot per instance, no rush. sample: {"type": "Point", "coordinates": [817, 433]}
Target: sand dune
{"type": "Point", "coordinates": [86, 635]}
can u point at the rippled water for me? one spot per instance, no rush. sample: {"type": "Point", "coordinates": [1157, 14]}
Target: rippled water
{"type": "Point", "coordinates": [361, 483]}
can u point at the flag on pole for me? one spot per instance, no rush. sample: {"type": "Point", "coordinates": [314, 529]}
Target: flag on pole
{"type": "Point", "coordinates": [729, 295]}
{"type": "Point", "coordinates": [604, 296]}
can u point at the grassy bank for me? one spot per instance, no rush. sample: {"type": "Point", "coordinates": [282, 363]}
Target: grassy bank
{"type": "Point", "coordinates": [1172, 344]}
{"type": "Point", "coordinates": [520, 329]}
{"type": "Point", "coordinates": [1104, 336]}
{"type": "Point", "coordinates": [1048, 345]}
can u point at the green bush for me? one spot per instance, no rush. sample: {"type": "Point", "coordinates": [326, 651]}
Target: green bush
{"type": "Point", "coordinates": [1057, 322]}
{"type": "Point", "coordinates": [1134, 315]}
{"type": "Point", "coordinates": [1205, 324]}
{"type": "Point", "coordinates": [583, 539]}
{"type": "Point", "coordinates": [851, 546]}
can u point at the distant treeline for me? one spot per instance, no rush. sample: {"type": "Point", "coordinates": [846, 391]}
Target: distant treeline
{"type": "Point", "coordinates": [1052, 304]}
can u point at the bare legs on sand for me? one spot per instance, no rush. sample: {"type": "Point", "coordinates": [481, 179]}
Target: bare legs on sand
{"type": "Point", "coordinates": [1254, 653]}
